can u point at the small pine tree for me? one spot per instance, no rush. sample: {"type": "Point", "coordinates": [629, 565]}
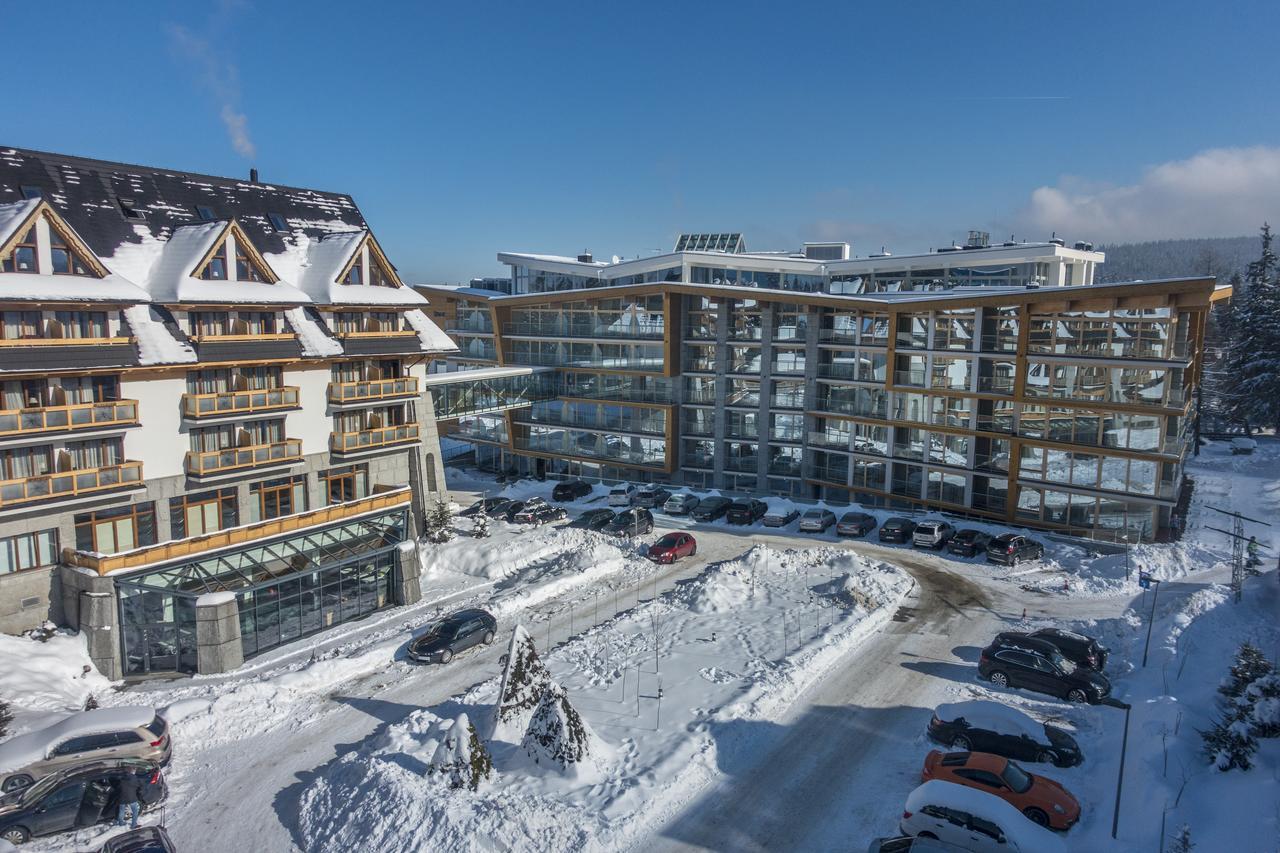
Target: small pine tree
{"type": "Point", "coordinates": [480, 529]}
{"type": "Point", "coordinates": [439, 523]}
{"type": "Point", "coordinates": [1262, 701]}
{"type": "Point", "coordinates": [1228, 745]}
{"type": "Point", "coordinates": [6, 717]}
{"type": "Point", "coordinates": [1250, 665]}
{"type": "Point", "coordinates": [1181, 842]}
{"type": "Point", "coordinates": [1251, 372]}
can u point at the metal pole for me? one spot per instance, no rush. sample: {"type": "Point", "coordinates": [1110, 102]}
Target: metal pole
{"type": "Point", "coordinates": [1150, 621]}
{"type": "Point", "coordinates": [1124, 746]}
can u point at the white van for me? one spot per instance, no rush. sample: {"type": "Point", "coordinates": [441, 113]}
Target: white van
{"type": "Point", "coordinates": [974, 820]}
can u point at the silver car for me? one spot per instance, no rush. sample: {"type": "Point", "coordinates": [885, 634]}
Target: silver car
{"type": "Point", "coordinates": [817, 520]}
{"type": "Point", "coordinates": [129, 731]}
{"type": "Point", "coordinates": [680, 504]}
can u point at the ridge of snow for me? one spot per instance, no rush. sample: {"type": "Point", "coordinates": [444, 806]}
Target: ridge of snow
{"type": "Point", "coordinates": [431, 335]}
{"type": "Point", "coordinates": [155, 344]}
{"type": "Point", "coordinates": [311, 337]}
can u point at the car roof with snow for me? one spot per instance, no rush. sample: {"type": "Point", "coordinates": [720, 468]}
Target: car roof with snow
{"type": "Point", "coordinates": [31, 747]}
{"type": "Point", "coordinates": [1028, 837]}
{"type": "Point", "coordinates": [993, 716]}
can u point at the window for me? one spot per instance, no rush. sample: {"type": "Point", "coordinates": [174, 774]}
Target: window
{"type": "Point", "coordinates": [216, 267]}
{"type": "Point", "coordinates": [23, 256]}
{"type": "Point", "coordinates": [17, 325]}
{"type": "Point", "coordinates": [345, 484]}
{"type": "Point", "coordinates": [81, 324]}
{"type": "Point", "coordinates": [110, 531]}
{"type": "Point", "coordinates": [129, 211]}
{"type": "Point", "coordinates": [247, 269]}
{"type": "Point", "coordinates": [278, 222]}
{"type": "Point", "coordinates": [28, 551]}
{"type": "Point", "coordinates": [205, 213]}
{"type": "Point", "coordinates": [66, 260]}
{"type": "Point", "coordinates": [276, 498]}
{"type": "Point", "coordinates": [29, 191]}
{"type": "Point", "coordinates": [355, 275]}
{"type": "Point", "coordinates": [379, 275]}
{"type": "Point", "coordinates": [195, 515]}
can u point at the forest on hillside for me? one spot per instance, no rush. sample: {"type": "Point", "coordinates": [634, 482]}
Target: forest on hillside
{"type": "Point", "coordinates": [1217, 256]}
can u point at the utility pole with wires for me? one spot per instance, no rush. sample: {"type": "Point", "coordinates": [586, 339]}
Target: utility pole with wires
{"type": "Point", "coordinates": [1238, 543]}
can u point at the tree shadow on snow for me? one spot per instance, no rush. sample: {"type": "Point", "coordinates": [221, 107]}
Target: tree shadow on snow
{"type": "Point", "coordinates": [943, 669]}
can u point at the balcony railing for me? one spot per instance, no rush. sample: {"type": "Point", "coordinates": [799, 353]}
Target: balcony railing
{"type": "Point", "coordinates": [69, 484]}
{"type": "Point", "coordinates": [207, 462]}
{"type": "Point", "coordinates": [837, 336]}
{"type": "Point", "coordinates": [63, 342]}
{"type": "Point", "coordinates": [250, 337]}
{"type": "Point", "coordinates": [559, 329]}
{"type": "Point", "coordinates": [742, 464]}
{"type": "Point", "coordinates": [828, 473]}
{"type": "Point", "coordinates": [378, 333]}
{"type": "Point", "coordinates": [996, 384]}
{"type": "Point", "coordinates": [239, 402]}
{"type": "Point", "coordinates": [838, 371]}
{"type": "Point", "coordinates": [787, 401]}
{"type": "Point", "coordinates": [838, 440]}
{"type": "Point", "coordinates": [20, 422]}
{"type": "Point", "coordinates": [369, 439]}
{"type": "Point", "coordinates": [909, 377]}
{"type": "Point", "coordinates": [644, 424]}
{"type": "Point", "coordinates": [372, 389]}
{"type": "Point", "coordinates": [784, 468]}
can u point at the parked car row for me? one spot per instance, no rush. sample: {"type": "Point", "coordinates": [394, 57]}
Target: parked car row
{"type": "Point", "coordinates": [75, 773]}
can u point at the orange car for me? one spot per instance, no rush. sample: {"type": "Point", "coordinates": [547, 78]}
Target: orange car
{"type": "Point", "coordinates": [1042, 800]}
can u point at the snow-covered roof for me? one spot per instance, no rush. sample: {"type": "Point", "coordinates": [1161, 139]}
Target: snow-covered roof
{"type": "Point", "coordinates": [31, 747]}
{"type": "Point", "coordinates": [155, 344]}
{"type": "Point", "coordinates": [1022, 834]}
{"type": "Point", "coordinates": [432, 337]}
{"type": "Point", "coordinates": [311, 337]}
{"type": "Point", "coordinates": [327, 257]}
{"type": "Point", "coordinates": [24, 286]}
{"type": "Point", "coordinates": [171, 278]}
{"type": "Point", "coordinates": [13, 214]}
{"type": "Point", "coordinates": [993, 716]}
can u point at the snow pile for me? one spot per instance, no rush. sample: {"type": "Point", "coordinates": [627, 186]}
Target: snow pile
{"type": "Point", "coordinates": [39, 677]}
{"type": "Point", "coordinates": [460, 757]}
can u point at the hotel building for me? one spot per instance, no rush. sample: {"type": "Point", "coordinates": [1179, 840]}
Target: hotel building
{"type": "Point", "coordinates": [215, 428]}
{"type": "Point", "coordinates": [990, 381]}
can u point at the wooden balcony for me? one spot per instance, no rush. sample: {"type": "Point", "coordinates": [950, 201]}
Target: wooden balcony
{"type": "Point", "coordinates": [201, 338]}
{"type": "Point", "coordinates": [210, 462]}
{"type": "Point", "coordinates": [78, 416]}
{"type": "Point", "coordinates": [379, 333]}
{"type": "Point", "coordinates": [258, 531]}
{"type": "Point", "coordinates": [372, 389]}
{"type": "Point", "coordinates": [372, 439]}
{"type": "Point", "coordinates": [69, 484]}
{"type": "Point", "coordinates": [221, 403]}
{"type": "Point", "coordinates": [63, 342]}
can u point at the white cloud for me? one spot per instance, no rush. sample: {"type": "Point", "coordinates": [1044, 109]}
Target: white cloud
{"type": "Point", "coordinates": [221, 78]}
{"type": "Point", "coordinates": [1221, 192]}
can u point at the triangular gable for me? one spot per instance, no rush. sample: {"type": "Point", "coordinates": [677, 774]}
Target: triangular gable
{"type": "Point", "coordinates": [251, 255]}
{"type": "Point", "coordinates": [18, 225]}
{"type": "Point", "coordinates": [378, 264]}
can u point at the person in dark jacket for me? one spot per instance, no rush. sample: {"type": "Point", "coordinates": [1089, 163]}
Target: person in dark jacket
{"type": "Point", "coordinates": [130, 800]}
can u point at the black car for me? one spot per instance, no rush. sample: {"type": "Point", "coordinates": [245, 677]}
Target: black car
{"type": "Point", "coordinates": [593, 519]}
{"type": "Point", "coordinates": [144, 839]}
{"type": "Point", "coordinates": [746, 512]}
{"type": "Point", "coordinates": [631, 522]}
{"type": "Point", "coordinates": [485, 506]}
{"type": "Point", "coordinates": [968, 543]}
{"type": "Point", "coordinates": [1030, 741]}
{"type": "Point", "coordinates": [570, 490]}
{"type": "Point", "coordinates": [1020, 661]}
{"type": "Point", "coordinates": [652, 497]}
{"type": "Point", "coordinates": [538, 511]}
{"type": "Point", "coordinates": [503, 508]}
{"type": "Point", "coordinates": [855, 524]}
{"type": "Point", "coordinates": [1012, 548]}
{"type": "Point", "coordinates": [1077, 648]}
{"type": "Point", "coordinates": [76, 798]}
{"type": "Point", "coordinates": [454, 633]}
{"type": "Point", "coordinates": [709, 509]}
{"type": "Point", "coordinates": [897, 529]}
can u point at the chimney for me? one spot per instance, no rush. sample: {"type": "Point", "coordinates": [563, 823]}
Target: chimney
{"type": "Point", "coordinates": [253, 176]}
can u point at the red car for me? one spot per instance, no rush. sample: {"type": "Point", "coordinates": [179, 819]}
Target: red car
{"type": "Point", "coordinates": [672, 547]}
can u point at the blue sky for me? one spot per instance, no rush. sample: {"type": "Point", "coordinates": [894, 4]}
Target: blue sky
{"type": "Point", "coordinates": [463, 129]}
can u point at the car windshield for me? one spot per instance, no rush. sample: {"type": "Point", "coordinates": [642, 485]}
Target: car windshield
{"type": "Point", "coordinates": [813, 513]}
{"type": "Point", "coordinates": [668, 541]}
{"type": "Point", "coordinates": [1016, 778]}
{"type": "Point", "coordinates": [444, 629]}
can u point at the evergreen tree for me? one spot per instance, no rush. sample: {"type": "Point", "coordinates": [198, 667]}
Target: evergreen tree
{"type": "Point", "coordinates": [6, 717]}
{"type": "Point", "coordinates": [480, 529]}
{"type": "Point", "coordinates": [1250, 665]}
{"type": "Point", "coordinates": [439, 523]}
{"type": "Point", "coordinates": [1181, 842]}
{"type": "Point", "coordinates": [1228, 745]}
{"type": "Point", "coordinates": [1252, 366]}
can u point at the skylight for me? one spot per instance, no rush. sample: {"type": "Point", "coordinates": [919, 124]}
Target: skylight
{"type": "Point", "coordinates": [205, 213]}
{"type": "Point", "coordinates": [278, 222]}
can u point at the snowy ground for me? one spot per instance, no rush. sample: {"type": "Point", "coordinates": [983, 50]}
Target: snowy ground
{"type": "Point", "coordinates": [812, 747]}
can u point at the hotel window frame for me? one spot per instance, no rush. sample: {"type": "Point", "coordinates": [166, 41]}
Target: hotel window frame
{"type": "Point", "coordinates": [141, 518]}
{"type": "Point", "coordinates": [30, 249]}
{"type": "Point", "coordinates": [40, 545]}
{"type": "Point", "coordinates": [355, 475]}
{"type": "Point", "coordinates": [226, 512]}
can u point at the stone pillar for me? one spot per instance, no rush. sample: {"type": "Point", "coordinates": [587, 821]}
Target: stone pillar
{"type": "Point", "coordinates": [218, 647]}
{"type": "Point", "coordinates": [90, 605]}
{"type": "Point", "coordinates": [408, 583]}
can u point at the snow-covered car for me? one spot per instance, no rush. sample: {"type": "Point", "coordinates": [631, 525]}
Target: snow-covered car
{"type": "Point", "coordinates": [1041, 799]}
{"type": "Point", "coordinates": [1241, 446]}
{"type": "Point", "coordinates": [987, 726]}
{"type": "Point", "coordinates": [932, 534]}
{"type": "Point", "coordinates": [973, 820]}
{"type": "Point", "coordinates": [76, 798]}
{"type": "Point", "coordinates": [483, 506]}
{"type": "Point", "coordinates": [817, 520]}
{"type": "Point", "coordinates": [455, 633]}
{"type": "Point", "coordinates": [570, 490]}
{"type": "Point", "coordinates": [622, 494]}
{"type": "Point", "coordinates": [593, 519]}
{"type": "Point", "coordinates": [538, 511]}
{"type": "Point", "coordinates": [680, 504]}
{"type": "Point", "coordinates": [710, 509]}
{"type": "Point", "coordinates": [780, 516]}
{"type": "Point", "coordinates": [855, 524]}
{"type": "Point", "coordinates": [652, 497]}
{"type": "Point", "coordinates": [127, 731]}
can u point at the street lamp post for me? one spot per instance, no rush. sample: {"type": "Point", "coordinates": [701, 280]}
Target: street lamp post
{"type": "Point", "coordinates": [1124, 745]}
{"type": "Point", "coordinates": [1145, 580]}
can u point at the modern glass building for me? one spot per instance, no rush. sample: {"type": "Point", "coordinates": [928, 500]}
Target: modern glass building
{"type": "Point", "coordinates": [989, 381]}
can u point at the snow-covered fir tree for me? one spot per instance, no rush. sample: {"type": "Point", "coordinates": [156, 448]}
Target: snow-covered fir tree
{"type": "Point", "coordinates": [1228, 744]}
{"type": "Point", "coordinates": [1261, 701]}
{"type": "Point", "coordinates": [1181, 843]}
{"type": "Point", "coordinates": [525, 678]}
{"type": "Point", "coordinates": [6, 717]}
{"type": "Point", "coordinates": [439, 523]}
{"type": "Point", "coordinates": [461, 756]}
{"type": "Point", "coordinates": [480, 528]}
{"type": "Point", "coordinates": [1250, 665]}
{"type": "Point", "coordinates": [557, 734]}
{"type": "Point", "coordinates": [1251, 370]}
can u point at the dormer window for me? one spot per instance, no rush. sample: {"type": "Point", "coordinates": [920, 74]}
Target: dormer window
{"type": "Point", "coordinates": [355, 275]}
{"type": "Point", "coordinates": [216, 268]}
{"type": "Point", "coordinates": [66, 260]}
{"type": "Point", "coordinates": [246, 269]}
{"type": "Point", "coordinates": [205, 213]}
{"type": "Point", "coordinates": [23, 258]}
